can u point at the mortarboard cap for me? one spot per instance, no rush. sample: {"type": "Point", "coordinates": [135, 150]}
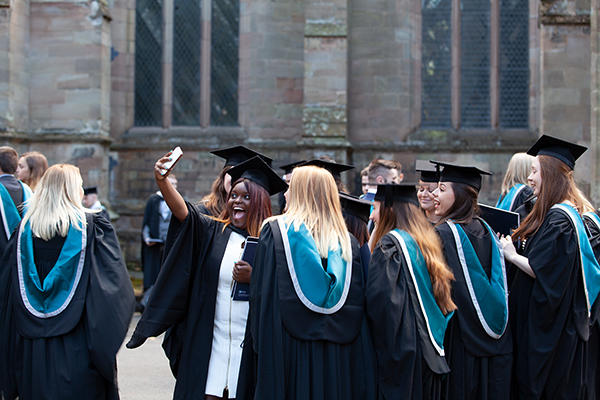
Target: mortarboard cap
{"type": "Point", "coordinates": [333, 167]}
{"type": "Point", "coordinates": [256, 170]}
{"type": "Point", "coordinates": [500, 220]}
{"type": "Point", "coordinates": [403, 193]}
{"type": "Point", "coordinates": [288, 168]}
{"type": "Point", "coordinates": [355, 206]}
{"type": "Point", "coordinates": [467, 174]}
{"type": "Point", "coordinates": [238, 154]}
{"type": "Point", "coordinates": [90, 190]}
{"type": "Point", "coordinates": [566, 152]}
{"type": "Point", "coordinates": [429, 172]}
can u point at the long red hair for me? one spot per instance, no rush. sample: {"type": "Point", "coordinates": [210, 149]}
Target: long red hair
{"type": "Point", "coordinates": [557, 185]}
{"type": "Point", "coordinates": [410, 218]}
{"type": "Point", "coordinates": [216, 200]}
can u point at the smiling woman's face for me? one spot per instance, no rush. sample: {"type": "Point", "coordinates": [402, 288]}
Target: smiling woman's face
{"type": "Point", "coordinates": [239, 205]}
{"type": "Point", "coordinates": [443, 198]}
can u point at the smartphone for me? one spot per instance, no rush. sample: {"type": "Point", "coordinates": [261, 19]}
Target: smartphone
{"type": "Point", "coordinates": [175, 156]}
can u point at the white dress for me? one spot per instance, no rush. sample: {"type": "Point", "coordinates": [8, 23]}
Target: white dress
{"type": "Point", "coordinates": [229, 326]}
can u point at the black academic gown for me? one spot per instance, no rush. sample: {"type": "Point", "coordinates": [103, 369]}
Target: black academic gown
{"type": "Point", "coordinates": [152, 255]}
{"type": "Point", "coordinates": [15, 190]}
{"type": "Point", "coordinates": [549, 315]}
{"type": "Point", "coordinates": [293, 353]}
{"type": "Point", "coordinates": [593, 373]}
{"type": "Point", "coordinates": [71, 355]}
{"type": "Point", "coordinates": [480, 366]}
{"type": "Point", "coordinates": [522, 197]}
{"type": "Point", "coordinates": [184, 297]}
{"type": "Point", "coordinates": [408, 365]}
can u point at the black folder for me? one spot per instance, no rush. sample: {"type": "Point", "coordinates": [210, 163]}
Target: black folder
{"type": "Point", "coordinates": [500, 220]}
{"type": "Point", "coordinates": [241, 291]}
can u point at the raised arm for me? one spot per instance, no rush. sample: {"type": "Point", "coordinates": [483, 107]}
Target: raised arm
{"type": "Point", "coordinates": [172, 197]}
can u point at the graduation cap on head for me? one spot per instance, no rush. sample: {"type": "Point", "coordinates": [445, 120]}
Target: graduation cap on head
{"type": "Point", "coordinates": [429, 172]}
{"type": "Point", "coordinates": [355, 206]}
{"type": "Point", "coordinates": [335, 168]}
{"type": "Point", "coordinates": [402, 193]}
{"type": "Point", "coordinates": [288, 168]}
{"type": "Point", "coordinates": [238, 154]}
{"type": "Point", "coordinates": [467, 174]}
{"type": "Point", "coordinates": [256, 170]}
{"type": "Point", "coordinates": [90, 190]}
{"type": "Point", "coordinates": [566, 152]}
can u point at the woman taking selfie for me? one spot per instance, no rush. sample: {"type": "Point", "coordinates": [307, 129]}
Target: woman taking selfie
{"type": "Point", "coordinates": [408, 298]}
{"type": "Point", "coordinates": [478, 340]}
{"type": "Point", "coordinates": [65, 298]}
{"type": "Point", "coordinates": [550, 299]}
{"type": "Point", "coordinates": [192, 296]}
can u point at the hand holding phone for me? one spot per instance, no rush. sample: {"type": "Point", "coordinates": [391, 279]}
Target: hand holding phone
{"type": "Point", "coordinates": [175, 156]}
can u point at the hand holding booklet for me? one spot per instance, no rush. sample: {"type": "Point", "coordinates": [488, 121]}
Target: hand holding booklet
{"type": "Point", "coordinates": [241, 291]}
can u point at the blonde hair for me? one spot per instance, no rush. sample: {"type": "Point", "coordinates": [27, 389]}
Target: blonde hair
{"type": "Point", "coordinates": [586, 204]}
{"type": "Point", "coordinates": [56, 204]}
{"type": "Point", "coordinates": [314, 201]}
{"type": "Point", "coordinates": [519, 168]}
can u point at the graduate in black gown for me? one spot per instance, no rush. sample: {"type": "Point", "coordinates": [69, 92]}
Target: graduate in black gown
{"type": "Point", "coordinates": [550, 300]}
{"type": "Point", "coordinates": [214, 203]}
{"type": "Point", "coordinates": [478, 341]}
{"type": "Point", "coordinates": [408, 298]}
{"type": "Point", "coordinates": [155, 225]}
{"type": "Point", "coordinates": [356, 214]}
{"type": "Point", "coordinates": [592, 223]}
{"type": "Point", "coordinates": [308, 336]}
{"type": "Point", "coordinates": [192, 297]}
{"type": "Point", "coordinates": [13, 193]}
{"type": "Point", "coordinates": [515, 190]}
{"type": "Point", "coordinates": [66, 299]}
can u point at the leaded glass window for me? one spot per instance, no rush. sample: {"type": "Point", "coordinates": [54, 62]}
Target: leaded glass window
{"type": "Point", "coordinates": [148, 61]}
{"type": "Point", "coordinates": [475, 64]}
{"type": "Point", "coordinates": [181, 77]}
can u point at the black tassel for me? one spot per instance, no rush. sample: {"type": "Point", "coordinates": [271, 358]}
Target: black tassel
{"type": "Point", "coordinates": [226, 393]}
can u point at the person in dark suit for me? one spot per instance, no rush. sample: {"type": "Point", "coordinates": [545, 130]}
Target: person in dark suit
{"type": "Point", "coordinates": [13, 193]}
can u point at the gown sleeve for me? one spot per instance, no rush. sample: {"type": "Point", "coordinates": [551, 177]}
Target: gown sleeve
{"type": "Point", "coordinates": [265, 324]}
{"type": "Point", "coordinates": [186, 241]}
{"type": "Point", "coordinates": [109, 301]}
{"type": "Point", "coordinates": [389, 313]}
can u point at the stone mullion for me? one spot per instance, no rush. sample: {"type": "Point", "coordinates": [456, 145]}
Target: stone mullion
{"type": "Point", "coordinates": [167, 65]}
{"type": "Point", "coordinates": [494, 63]}
{"type": "Point", "coordinates": [205, 65]}
{"type": "Point", "coordinates": [455, 75]}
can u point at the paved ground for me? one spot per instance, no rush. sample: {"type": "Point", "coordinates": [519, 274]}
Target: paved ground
{"type": "Point", "coordinates": [144, 372]}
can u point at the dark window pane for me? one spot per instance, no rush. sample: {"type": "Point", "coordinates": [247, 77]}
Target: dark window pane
{"type": "Point", "coordinates": [514, 63]}
{"type": "Point", "coordinates": [148, 63]}
{"type": "Point", "coordinates": [436, 64]}
{"type": "Point", "coordinates": [475, 64]}
{"type": "Point", "coordinates": [225, 32]}
{"type": "Point", "coordinates": [187, 32]}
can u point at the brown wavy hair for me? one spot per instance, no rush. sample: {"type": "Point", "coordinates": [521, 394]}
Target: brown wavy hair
{"type": "Point", "coordinates": [557, 185]}
{"type": "Point", "coordinates": [410, 218]}
{"type": "Point", "coordinates": [260, 207]}
{"type": "Point", "coordinates": [216, 200]}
